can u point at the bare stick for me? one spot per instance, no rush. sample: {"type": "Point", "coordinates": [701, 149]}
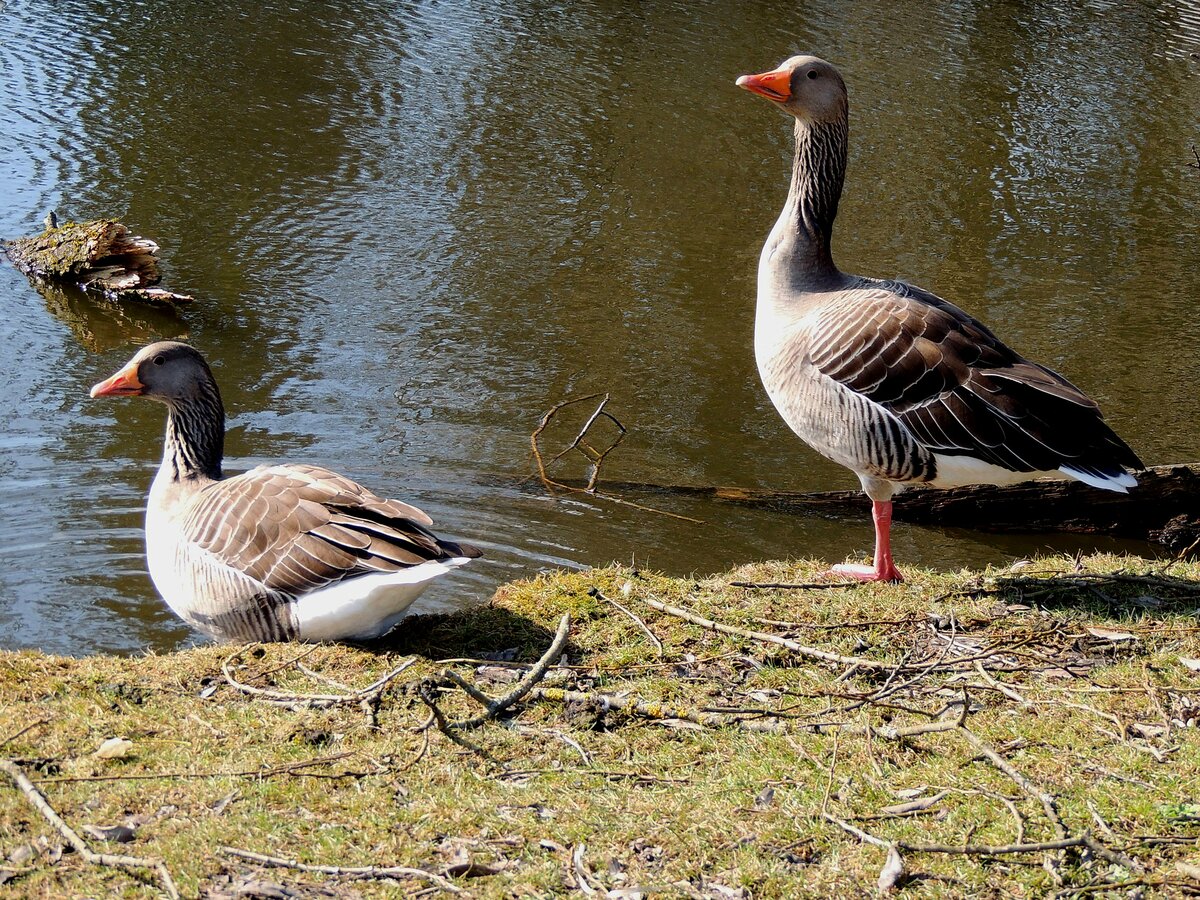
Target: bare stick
{"type": "Point", "coordinates": [994, 850]}
{"type": "Point", "coordinates": [999, 685]}
{"type": "Point", "coordinates": [39, 802]}
{"type": "Point", "coordinates": [292, 768]}
{"type": "Point", "coordinates": [857, 832]}
{"type": "Point", "coordinates": [1046, 799]}
{"type": "Point", "coordinates": [1082, 840]}
{"type": "Point", "coordinates": [788, 586]}
{"type": "Point", "coordinates": [525, 685]}
{"type": "Point", "coordinates": [425, 692]}
{"type": "Point", "coordinates": [595, 592]}
{"type": "Point", "coordinates": [316, 701]}
{"type": "Point", "coordinates": [32, 725]}
{"type": "Point", "coordinates": [345, 871]}
{"type": "Point", "coordinates": [810, 652]}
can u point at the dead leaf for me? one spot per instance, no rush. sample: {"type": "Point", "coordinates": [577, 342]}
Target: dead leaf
{"type": "Point", "coordinates": [1189, 663]}
{"type": "Point", "coordinates": [121, 834]}
{"type": "Point", "coordinates": [892, 870]}
{"type": "Point", "coordinates": [497, 674]}
{"type": "Point", "coordinates": [1142, 729]}
{"type": "Point", "coordinates": [765, 798]}
{"type": "Point", "coordinates": [581, 874]}
{"type": "Point", "coordinates": [114, 748]}
{"type": "Point", "coordinates": [682, 724]}
{"type": "Point", "coordinates": [1108, 634]}
{"type": "Point", "coordinates": [911, 806]}
{"type": "Point", "coordinates": [22, 854]}
{"type": "Point", "coordinates": [1188, 869]}
{"type": "Point", "coordinates": [911, 793]}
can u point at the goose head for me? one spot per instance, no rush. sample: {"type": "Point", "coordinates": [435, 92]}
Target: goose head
{"type": "Point", "coordinates": [167, 371]}
{"type": "Point", "coordinates": [806, 87]}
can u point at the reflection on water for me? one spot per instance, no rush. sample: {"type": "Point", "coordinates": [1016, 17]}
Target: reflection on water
{"type": "Point", "coordinates": [412, 228]}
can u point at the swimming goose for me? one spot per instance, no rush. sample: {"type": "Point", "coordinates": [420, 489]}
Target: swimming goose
{"type": "Point", "coordinates": [888, 379]}
{"type": "Point", "coordinates": [284, 552]}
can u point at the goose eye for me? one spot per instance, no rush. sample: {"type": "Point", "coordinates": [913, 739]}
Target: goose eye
{"type": "Point", "coordinates": [158, 360]}
{"type": "Point", "coordinates": [812, 73]}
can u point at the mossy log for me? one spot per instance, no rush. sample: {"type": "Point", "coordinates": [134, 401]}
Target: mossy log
{"type": "Point", "coordinates": [100, 255]}
{"type": "Point", "coordinates": [1164, 508]}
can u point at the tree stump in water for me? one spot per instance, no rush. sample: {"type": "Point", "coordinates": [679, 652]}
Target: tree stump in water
{"type": "Point", "coordinates": [101, 255]}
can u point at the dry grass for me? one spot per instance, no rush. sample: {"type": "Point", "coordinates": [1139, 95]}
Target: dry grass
{"type": "Point", "coordinates": [696, 763]}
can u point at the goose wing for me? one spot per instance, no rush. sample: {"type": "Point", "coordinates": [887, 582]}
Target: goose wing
{"type": "Point", "coordinates": [956, 387]}
{"type": "Point", "coordinates": [296, 528]}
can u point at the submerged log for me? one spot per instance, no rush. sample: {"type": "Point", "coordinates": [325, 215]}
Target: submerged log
{"type": "Point", "coordinates": [1164, 508]}
{"type": "Point", "coordinates": [100, 255]}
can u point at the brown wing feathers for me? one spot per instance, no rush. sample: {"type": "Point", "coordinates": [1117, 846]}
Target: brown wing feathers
{"type": "Point", "coordinates": [956, 387]}
{"type": "Point", "coordinates": [296, 528]}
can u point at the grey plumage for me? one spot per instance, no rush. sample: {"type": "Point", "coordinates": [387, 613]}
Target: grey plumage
{"type": "Point", "coordinates": [233, 556]}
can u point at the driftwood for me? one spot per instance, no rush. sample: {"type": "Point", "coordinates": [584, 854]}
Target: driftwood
{"type": "Point", "coordinates": [100, 256]}
{"type": "Point", "coordinates": [1164, 508]}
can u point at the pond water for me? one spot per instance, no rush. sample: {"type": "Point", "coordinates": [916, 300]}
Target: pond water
{"type": "Point", "coordinates": [412, 228]}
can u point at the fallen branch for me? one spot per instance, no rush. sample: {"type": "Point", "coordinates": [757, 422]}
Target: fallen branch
{"type": "Point", "coordinates": [292, 768]}
{"type": "Point", "coordinates": [37, 723]}
{"type": "Point", "coordinates": [801, 649]}
{"type": "Point", "coordinates": [1043, 797]}
{"type": "Point", "coordinates": [658, 646]}
{"type": "Point", "coordinates": [524, 686]}
{"type": "Point", "coordinates": [715, 719]}
{"type": "Point", "coordinates": [312, 701]}
{"type": "Point", "coordinates": [100, 255]}
{"type": "Point", "coordinates": [42, 805]}
{"type": "Point", "coordinates": [363, 872]}
{"type": "Point", "coordinates": [1162, 509]}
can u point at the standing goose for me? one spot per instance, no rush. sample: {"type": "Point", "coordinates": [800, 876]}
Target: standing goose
{"type": "Point", "coordinates": [888, 379]}
{"type": "Point", "coordinates": [279, 553]}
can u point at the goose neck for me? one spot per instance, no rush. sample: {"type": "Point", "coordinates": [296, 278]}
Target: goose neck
{"type": "Point", "coordinates": [817, 175]}
{"type": "Point", "coordinates": [195, 440]}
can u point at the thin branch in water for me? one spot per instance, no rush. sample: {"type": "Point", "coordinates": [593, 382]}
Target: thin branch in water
{"type": "Point", "coordinates": [594, 457]}
{"type": "Point", "coordinates": [39, 802]}
{"type": "Point", "coordinates": [345, 871]}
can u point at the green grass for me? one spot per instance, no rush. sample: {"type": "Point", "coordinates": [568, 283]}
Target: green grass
{"type": "Point", "coordinates": [668, 807]}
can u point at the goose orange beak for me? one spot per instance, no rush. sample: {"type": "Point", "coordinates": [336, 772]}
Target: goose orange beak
{"type": "Point", "coordinates": [774, 85]}
{"type": "Point", "coordinates": [123, 384]}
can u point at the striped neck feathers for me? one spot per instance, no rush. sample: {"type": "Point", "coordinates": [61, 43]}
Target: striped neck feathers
{"type": "Point", "coordinates": [817, 175]}
{"type": "Point", "coordinates": [195, 441]}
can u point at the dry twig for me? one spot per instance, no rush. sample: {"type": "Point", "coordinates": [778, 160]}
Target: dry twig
{"type": "Point", "coordinates": [658, 646]}
{"type": "Point", "coordinates": [345, 871]}
{"type": "Point", "coordinates": [524, 686]}
{"type": "Point", "coordinates": [39, 802]}
{"type": "Point", "coordinates": [355, 696]}
{"type": "Point", "coordinates": [37, 723]}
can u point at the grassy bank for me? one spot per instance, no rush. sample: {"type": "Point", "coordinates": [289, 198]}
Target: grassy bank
{"type": "Point", "coordinates": [992, 713]}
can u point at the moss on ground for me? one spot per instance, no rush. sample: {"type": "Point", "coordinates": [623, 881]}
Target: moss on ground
{"type": "Point", "coordinates": [1079, 675]}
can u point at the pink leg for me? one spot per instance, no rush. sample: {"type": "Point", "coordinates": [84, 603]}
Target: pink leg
{"type": "Point", "coordinates": [883, 569]}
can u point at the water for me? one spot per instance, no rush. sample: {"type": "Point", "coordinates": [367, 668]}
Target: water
{"type": "Point", "coordinates": [413, 228]}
